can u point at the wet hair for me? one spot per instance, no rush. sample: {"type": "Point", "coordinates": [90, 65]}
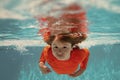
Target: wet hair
{"type": "Point", "coordinates": [68, 37]}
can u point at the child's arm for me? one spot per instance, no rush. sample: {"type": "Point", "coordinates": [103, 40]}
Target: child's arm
{"type": "Point", "coordinates": [83, 65]}
{"type": "Point", "coordinates": [44, 69]}
{"type": "Point", "coordinates": [42, 60]}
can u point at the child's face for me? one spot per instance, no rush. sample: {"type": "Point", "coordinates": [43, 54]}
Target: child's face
{"type": "Point", "coordinates": [61, 50]}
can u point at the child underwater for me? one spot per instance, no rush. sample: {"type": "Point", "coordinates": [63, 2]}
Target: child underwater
{"type": "Point", "coordinates": [62, 35]}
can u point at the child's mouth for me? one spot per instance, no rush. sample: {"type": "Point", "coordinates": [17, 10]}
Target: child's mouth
{"type": "Point", "coordinates": [60, 55]}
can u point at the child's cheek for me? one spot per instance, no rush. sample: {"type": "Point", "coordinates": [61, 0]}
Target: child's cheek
{"type": "Point", "coordinates": [55, 51]}
{"type": "Point", "coordinates": [64, 50]}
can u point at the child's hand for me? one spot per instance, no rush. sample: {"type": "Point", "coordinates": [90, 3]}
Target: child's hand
{"type": "Point", "coordinates": [77, 73]}
{"type": "Point", "coordinates": [74, 75]}
{"type": "Point", "coordinates": [45, 69]}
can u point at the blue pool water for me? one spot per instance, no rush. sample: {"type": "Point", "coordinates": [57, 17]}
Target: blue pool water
{"type": "Point", "coordinates": [20, 47]}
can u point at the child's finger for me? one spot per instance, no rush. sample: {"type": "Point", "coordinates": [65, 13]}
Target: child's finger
{"type": "Point", "coordinates": [72, 75]}
{"type": "Point", "coordinates": [48, 70]}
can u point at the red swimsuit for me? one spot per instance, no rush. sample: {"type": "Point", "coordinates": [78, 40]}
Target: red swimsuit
{"type": "Point", "coordinates": [77, 57]}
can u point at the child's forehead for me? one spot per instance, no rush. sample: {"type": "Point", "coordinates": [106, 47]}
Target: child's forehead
{"type": "Point", "coordinates": [57, 42]}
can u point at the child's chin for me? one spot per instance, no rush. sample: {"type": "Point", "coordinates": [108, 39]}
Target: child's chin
{"type": "Point", "coordinates": [61, 58]}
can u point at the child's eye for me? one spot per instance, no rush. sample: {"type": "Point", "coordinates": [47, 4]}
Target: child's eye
{"type": "Point", "coordinates": [56, 47]}
{"type": "Point", "coordinates": [64, 47]}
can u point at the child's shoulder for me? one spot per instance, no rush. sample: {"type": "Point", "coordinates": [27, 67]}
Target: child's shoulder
{"type": "Point", "coordinates": [46, 48]}
{"type": "Point", "coordinates": [85, 51]}
{"type": "Point", "coordinates": [81, 50]}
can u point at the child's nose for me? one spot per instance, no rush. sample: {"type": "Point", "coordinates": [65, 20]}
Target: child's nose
{"type": "Point", "coordinates": [60, 50]}
{"type": "Point", "coordinates": [60, 53]}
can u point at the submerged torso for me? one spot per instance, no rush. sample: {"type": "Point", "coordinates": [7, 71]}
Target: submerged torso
{"type": "Point", "coordinates": [67, 66]}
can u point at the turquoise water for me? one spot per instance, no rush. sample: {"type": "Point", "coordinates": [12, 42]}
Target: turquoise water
{"type": "Point", "coordinates": [20, 47]}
